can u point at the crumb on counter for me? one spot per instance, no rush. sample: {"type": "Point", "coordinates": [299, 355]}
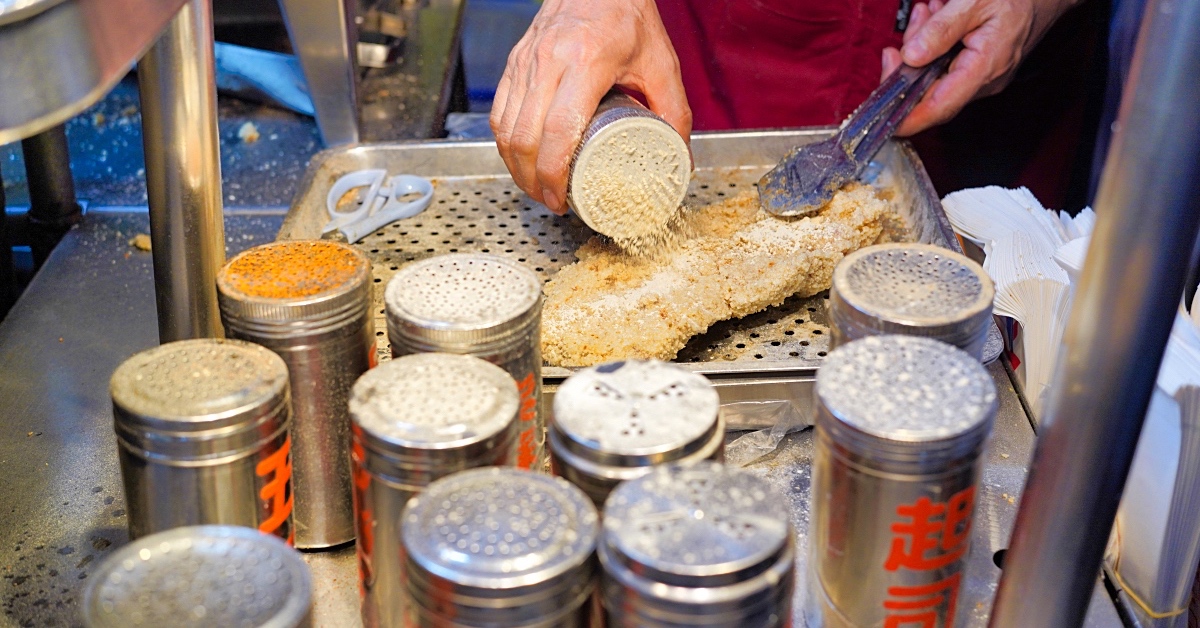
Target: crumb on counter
{"type": "Point", "coordinates": [248, 133]}
{"type": "Point", "coordinates": [140, 241]}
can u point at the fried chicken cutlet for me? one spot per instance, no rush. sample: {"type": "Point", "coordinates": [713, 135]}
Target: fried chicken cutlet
{"type": "Point", "coordinates": [736, 260]}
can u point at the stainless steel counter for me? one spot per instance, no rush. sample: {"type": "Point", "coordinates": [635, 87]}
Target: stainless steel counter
{"type": "Point", "coordinates": [61, 507]}
{"type": "Point", "coordinates": [90, 307]}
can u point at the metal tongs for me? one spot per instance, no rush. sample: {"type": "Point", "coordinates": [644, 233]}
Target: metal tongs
{"type": "Point", "coordinates": [806, 179]}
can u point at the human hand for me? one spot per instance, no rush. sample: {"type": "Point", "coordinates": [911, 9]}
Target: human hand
{"type": "Point", "coordinates": [572, 54]}
{"type": "Point", "coordinates": [996, 35]}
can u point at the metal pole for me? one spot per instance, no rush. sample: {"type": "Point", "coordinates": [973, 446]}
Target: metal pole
{"type": "Point", "coordinates": [1148, 209]}
{"type": "Point", "coordinates": [183, 174]}
{"type": "Point", "coordinates": [52, 205]}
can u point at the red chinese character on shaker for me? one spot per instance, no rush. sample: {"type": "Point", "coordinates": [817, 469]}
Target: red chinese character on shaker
{"type": "Point", "coordinates": [526, 454]}
{"type": "Point", "coordinates": [919, 606]}
{"type": "Point", "coordinates": [936, 535]}
{"type": "Point", "coordinates": [277, 492]}
{"type": "Point", "coordinates": [366, 518]}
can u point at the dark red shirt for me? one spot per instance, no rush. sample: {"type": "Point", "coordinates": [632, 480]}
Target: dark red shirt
{"type": "Point", "coordinates": [778, 63]}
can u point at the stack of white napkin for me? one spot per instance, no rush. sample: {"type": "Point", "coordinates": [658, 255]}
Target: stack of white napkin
{"type": "Point", "coordinates": [1034, 256]}
{"type": "Point", "coordinates": [1155, 544]}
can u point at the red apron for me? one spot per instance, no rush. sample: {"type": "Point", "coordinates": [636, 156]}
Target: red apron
{"type": "Point", "coordinates": [778, 63]}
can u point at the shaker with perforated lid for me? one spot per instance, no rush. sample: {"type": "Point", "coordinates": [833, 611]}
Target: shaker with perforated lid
{"type": "Point", "coordinates": [629, 174]}
{"type": "Point", "coordinates": [914, 290]}
{"type": "Point", "coordinates": [480, 305]}
{"type": "Point", "coordinates": [697, 545]}
{"type": "Point", "coordinates": [502, 548]}
{"type": "Point", "coordinates": [615, 421]}
{"type": "Point", "coordinates": [416, 419]}
{"type": "Point", "coordinates": [309, 302]}
{"type": "Point", "coordinates": [200, 576]}
{"type": "Point", "coordinates": [202, 437]}
{"type": "Point", "coordinates": [901, 422]}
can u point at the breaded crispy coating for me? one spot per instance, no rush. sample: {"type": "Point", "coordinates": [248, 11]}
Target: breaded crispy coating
{"type": "Point", "coordinates": [735, 260]}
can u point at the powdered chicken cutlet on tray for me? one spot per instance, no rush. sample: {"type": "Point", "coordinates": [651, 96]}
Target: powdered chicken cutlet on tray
{"type": "Point", "coordinates": [735, 260]}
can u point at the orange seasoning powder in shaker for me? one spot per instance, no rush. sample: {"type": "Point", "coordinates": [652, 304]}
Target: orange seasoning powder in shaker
{"type": "Point", "coordinates": [309, 302]}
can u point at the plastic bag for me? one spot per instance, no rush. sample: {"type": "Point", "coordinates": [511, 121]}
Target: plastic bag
{"type": "Point", "coordinates": [772, 420]}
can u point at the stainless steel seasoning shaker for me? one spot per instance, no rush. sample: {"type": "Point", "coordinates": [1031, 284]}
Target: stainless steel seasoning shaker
{"type": "Point", "coordinates": [913, 290]}
{"type": "Point", "coordinates": [481, 305]}
{"type": "Point", "coordinates": [309, 302]}
{"type": "Point", "coordinates": [501, 548]}
{"type": "Point", "coordinates": [416, 419]}
{"type": "Point", "coordinates": [614, 422]}
{"type": "Point", "coordinates": [697, 545]}
{"type": "Point", "coordinates": [202, 437]}
{"type": "Point", "coordinates": [630, 172]}
{"type": "Point", "coordinates": [900, 424]}
{"type": "Point", "coordinates": [200, 576]}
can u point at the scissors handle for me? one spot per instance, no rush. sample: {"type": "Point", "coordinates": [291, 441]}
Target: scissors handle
{"type": "Point", "coordinates": [379, 206]}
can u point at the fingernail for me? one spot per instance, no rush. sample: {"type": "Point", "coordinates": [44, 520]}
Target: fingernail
{"type": "Point", "coordinates": [549, 198]}
{"type": "Point", "coordinates": [913, 53]}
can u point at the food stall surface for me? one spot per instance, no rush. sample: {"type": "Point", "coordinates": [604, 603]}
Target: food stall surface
{"type": "Point", "coordinates": [92, 306]}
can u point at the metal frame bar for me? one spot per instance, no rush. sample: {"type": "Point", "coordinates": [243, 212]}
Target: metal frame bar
{"type": "Point", "coordinates": [325, 37]}
{"type": "Point", "coordinates": [8, 280]}
{"type": "Point", "coordinates": [53, 208]}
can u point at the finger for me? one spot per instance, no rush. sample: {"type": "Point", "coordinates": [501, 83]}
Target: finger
{"type": "Point", "coordinates": [521, 66]}
{"type": "Point", "coordinates": [516, 75]}
{"type": "Point", "coordinates": [527, 130]}
{"type": "Point", "coordinates": [566, 119]}
{"type": "Point", "coordinates": [943, 29]}
{"type": "Point", "coordinates": [515, 81]}
{"type": "Point", "coordinates": [498, 102]}
{"type": "Point", "coordinates": [666, 97]}
{"type": "Point", "coordinates": [949, 94]}
{"type": "Point", "coordinates": [920, 15]}
{"type": "Point", "coordinates": [936, 5]}
{"type": "Point", "coordinates": [891, 61]}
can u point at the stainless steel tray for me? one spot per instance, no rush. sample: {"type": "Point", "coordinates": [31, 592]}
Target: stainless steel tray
{"type": "Point", "coordinates": [476, 207]}
{"type": "Point", "coordinates": [483, 210]}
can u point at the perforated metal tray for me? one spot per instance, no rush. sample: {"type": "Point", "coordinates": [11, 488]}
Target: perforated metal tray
{"type": "Point", "coordinates": [477, 207]}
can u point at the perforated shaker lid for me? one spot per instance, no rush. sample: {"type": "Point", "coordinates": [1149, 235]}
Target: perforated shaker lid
{"type": "Point", "coordinates": [696, 525]}
{"type": "Point", "coordinates": [907, 288]}
{"type": "Point", "coordinates": [294, 280]}
{"type": "Point", "coordinates": [433, 401]}
{"type": "Point", "coordinates": [198, 385]}
{"type": "Point", "coordinates": [499, 529]}
{"type": "Point", "coordinates": [200, 576]}
{"type": "Point", "coordinates": [462, 299]}
{"type": "Point", "coordinates": [630, 172]}
{"type": "Point", "coordinates": [635, 412]}
{"type": "Point", "coordinates": [885, 395]}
